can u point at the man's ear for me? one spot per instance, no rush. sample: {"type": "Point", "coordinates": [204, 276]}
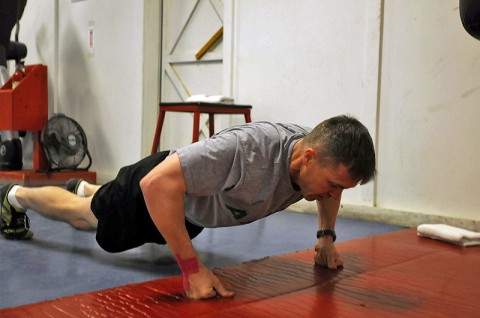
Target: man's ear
{"type": "Point", "coordinates": [308, 155]}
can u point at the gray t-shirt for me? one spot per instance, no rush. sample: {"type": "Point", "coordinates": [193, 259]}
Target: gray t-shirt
{"type": "Point", "coordinates": [240, 174]}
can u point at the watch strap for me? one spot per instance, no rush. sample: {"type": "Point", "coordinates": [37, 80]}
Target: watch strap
{"type": "Point", "coordinates": [322, 233]}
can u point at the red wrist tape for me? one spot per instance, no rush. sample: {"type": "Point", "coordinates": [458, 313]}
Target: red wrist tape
{"type": "Point", "coordinates": [188, 267]}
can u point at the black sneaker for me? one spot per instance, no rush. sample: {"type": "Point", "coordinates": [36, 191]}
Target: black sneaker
{"type": "Point", "coordinates": [73, 184]}
{"type": "Point", "coordinates": [14, 224]}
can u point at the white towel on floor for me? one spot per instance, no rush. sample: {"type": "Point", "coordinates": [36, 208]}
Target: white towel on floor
{"type": "Point", "coordinates": [450, 234]}
{"type": "Point", "coordinates": [210, 99]}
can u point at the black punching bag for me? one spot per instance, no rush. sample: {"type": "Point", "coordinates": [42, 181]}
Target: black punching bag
{"type": "Point", "coordinates": [470, 15]}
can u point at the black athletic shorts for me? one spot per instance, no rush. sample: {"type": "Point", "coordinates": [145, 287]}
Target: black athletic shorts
{"type": "Point", "coordinates": [123, 218]}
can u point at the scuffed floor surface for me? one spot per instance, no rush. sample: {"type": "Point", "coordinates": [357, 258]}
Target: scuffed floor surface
{"type": "Point", "coordinates": [60, 261]}
{"type": "Point", "coordinates": [390, 275]}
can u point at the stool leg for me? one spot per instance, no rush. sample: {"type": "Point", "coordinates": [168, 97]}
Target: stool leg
{"type": "Point", "coordinates": [196, 126]}
{"type": "Point", "coordinates": [211, 124]}
{"type": "Point", "coordinates": [247, 117]}
{"type": "Point", "coordinates": [158, 131]}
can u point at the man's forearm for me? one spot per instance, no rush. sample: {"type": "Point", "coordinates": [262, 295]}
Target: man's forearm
{"type": "Point", "coordinates": [326, 253]}
{"type": "Point", "coordinates": [327, 213]}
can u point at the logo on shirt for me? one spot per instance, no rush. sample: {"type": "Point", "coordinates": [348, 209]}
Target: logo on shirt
{"type": "Point", "coordinates": [237, 214]}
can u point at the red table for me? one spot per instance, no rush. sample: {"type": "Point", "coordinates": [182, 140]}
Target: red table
{"type": "Point", "coordinates": [197, 108]}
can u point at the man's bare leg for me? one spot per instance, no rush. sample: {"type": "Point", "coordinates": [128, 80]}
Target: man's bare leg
{"type": "Point", "coordinates": [81, 187]}
{"type": "Point", "coordinates": [90, 189]}
{"type": "Point", "coordinates": [58, 204]}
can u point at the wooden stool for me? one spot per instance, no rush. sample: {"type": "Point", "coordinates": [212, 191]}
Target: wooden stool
{"type": "Point", "coordinates": [197, 108]}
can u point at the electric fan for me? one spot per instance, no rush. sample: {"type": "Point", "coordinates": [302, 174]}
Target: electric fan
{"type": "Point", "coordinates": [64, 143]}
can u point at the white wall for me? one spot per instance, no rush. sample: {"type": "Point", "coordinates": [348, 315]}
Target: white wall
{"type": "Point", "coordinates": [429, 151]}
{"type": "Point", "coordinates": [298, 61]}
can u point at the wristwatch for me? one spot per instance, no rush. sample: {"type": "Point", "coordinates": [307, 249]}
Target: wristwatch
{"type": "Point", "coordinates": [322, 233]}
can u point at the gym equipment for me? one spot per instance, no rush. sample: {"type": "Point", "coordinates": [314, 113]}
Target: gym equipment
{"type": "Point", "coordinates": [25, 107]}
{"type": "Point", "coordinates": [11, 11]}
{"type": "Point", "coordinates": [198, 108]}
{"type": "Point", "coordinates": [64, 143]}
{"type": "Point", "coordinates": [470, 16]}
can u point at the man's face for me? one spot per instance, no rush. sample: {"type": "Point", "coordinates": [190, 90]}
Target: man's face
{"type": "Point", "coordinates": [318, 182]}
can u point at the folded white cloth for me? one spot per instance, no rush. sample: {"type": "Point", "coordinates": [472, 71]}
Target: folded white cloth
{"type": "Point", "coordinates": [450, 234]}
{"type": "Point", "coordinates": [210, 99]}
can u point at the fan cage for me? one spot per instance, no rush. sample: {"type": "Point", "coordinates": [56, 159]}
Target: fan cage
{"type": "Point", "coordinates": [65, 144]}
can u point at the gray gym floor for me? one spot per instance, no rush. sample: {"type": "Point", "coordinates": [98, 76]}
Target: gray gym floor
{"type": "Point", "coordinates": [60, 261]}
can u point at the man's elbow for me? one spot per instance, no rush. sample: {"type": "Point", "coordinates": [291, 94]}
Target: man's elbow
{"type": "Point", "coordinates": [146, 183]}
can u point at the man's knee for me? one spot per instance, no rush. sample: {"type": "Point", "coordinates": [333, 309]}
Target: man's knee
{"type": "Point", "coordinates": [84, 219]}
{"type": "Point", "coordinates": [83, 225]}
